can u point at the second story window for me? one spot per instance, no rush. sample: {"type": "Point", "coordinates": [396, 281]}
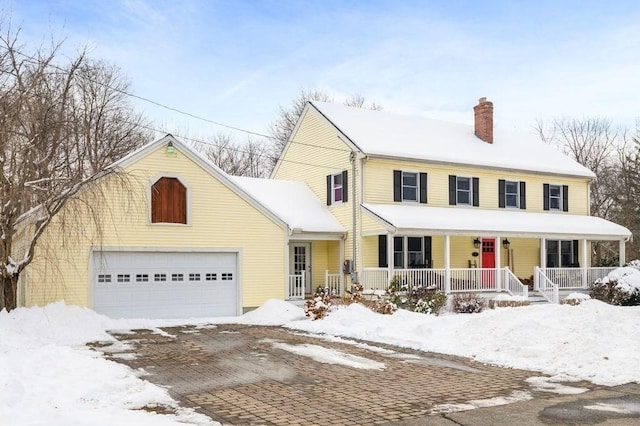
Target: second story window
{"type": "Point", "coordinates": [511, 194]}
{"type": "Point", "coordinates": [556, 197]}
{"type": "Point", "coordinates": [464, 191]}
{"type": "Point", "coordinates": [337, 188]}
{"type": "Point", "coordinates": [409, 186]}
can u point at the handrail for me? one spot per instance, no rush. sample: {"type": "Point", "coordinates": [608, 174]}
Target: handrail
{"type": "Point", "coordinates": [546, 287]}
{"type": "Point", "coordinates": [513, 285]}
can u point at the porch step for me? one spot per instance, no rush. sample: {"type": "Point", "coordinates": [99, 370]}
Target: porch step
{"type": "Point", "coordinates": [297, 302]}
{"type": "Point", "coordinates": [536, 299]}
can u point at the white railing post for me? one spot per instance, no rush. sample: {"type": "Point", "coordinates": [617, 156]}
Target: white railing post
{"type": "Point", "coordinates": [326, 278]}
{"type": "Point", "coordinates": [536, 286]}
{"type": "Point", "coordinates": [556, 294]}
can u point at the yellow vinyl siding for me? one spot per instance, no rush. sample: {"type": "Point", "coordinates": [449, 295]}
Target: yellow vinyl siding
{"type": "Point", "coordinates": [219, 220]}
{"type": "Point", "coordinates": [325, 257]}
{"type": "Point", "coordinates": [315, 152]}
{"type": "Point", "coordinates": [378, 187]}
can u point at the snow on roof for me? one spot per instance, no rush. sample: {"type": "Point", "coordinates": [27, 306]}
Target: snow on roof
{"type": "Point", "coordinates": [413, 137]}
{"type": "Point", "coordinates": [474, 221]}
{"type": "Point", "coordinates": [293, 202]}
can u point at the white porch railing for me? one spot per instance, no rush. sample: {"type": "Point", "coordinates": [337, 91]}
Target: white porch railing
{"type": "Point", "coordinates": [599, 272]}
{"type": "Point", "coordinates": [296, 287]}
{"type": "Point", "coordinates": [546, 287]}
{"type": "Point", "coordinates": [473, 279]}
{"type": "Point", "coordinates": [375, 278]}
{"type": "Point", "coordinates": [334, 283]}
{"type": "Point", "coordinates": [568, 278]}
{"type": "Point", "coordinates": [513, 285]}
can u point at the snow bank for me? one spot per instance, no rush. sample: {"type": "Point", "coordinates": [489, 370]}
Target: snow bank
{"type": "Point", "coordinates": [50, 378]}
{"type": "Point", "coordinates": [273, 312]}
{"type": "Point", "coordinates": [592, 341]}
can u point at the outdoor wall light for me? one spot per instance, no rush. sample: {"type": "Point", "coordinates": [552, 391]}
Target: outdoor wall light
{"type": "Point", "coordinates": [506, 243]}
{"type": "Point", "coordinates": [477, 242]}
{"type": "Point", "coordinates": [170, 148]}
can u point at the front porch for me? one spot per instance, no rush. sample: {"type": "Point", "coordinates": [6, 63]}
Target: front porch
{"type": "Point", "coordinates": [548, 282]}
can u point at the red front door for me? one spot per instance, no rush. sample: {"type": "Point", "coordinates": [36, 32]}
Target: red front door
{"type": "Point", "coordinates": [488, 261]}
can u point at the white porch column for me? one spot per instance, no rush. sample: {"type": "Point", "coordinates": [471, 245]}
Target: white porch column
{"type": "Point", "coordinates": [447, 264]}
{"type": "Point", "coordinates": [390, 258]}
{"type": "Point", "coordinates": [340, 262]}
{"type": "Point", "coordinates": [584, 264]}
{"type": "Point", "coordinates": [621, 253]}
{"type": "Point", "coordinates": [498, 251]}
{"type": "Point", "coordinates": [543, 261]}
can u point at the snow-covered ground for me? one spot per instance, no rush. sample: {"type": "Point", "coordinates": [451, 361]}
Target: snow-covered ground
{"type": "Point", "coordinates": [49, 377]}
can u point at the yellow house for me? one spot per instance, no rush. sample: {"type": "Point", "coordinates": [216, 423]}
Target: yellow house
{"type": "Point", "coordinates": [168, 234]}
{"type": "Point", "coordinates": [464, 208]}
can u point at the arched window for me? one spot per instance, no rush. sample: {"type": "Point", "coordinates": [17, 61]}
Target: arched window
{"type": "Point", "coordinates": [168, 201]}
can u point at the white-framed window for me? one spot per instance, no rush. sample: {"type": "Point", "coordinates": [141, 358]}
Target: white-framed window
{"type": "Point", "coordinates": [337, 188]}
{"type": "Point", "coordinates": [512, 194]}
{"type": "Point", "coordinates": [464, 193]}
{"type": "Point", "coordinates": [410, 186]}
{"type": "Point", "coordinates": [408, 251]}
{"type": "Point", "coordinates": [555, 197]}
{"type": "Point", "coordinates": [562, 253]}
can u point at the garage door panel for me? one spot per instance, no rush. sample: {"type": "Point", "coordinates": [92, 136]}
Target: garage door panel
{"type": "Point", "coordinates": [165, 284]}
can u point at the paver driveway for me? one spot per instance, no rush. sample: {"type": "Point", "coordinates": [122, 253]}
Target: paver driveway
{"type": "Point", "coordinates": [239, 374]}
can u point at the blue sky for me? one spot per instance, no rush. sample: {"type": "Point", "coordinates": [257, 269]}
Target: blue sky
{"type": "Point", "coordinates": [236, 62]}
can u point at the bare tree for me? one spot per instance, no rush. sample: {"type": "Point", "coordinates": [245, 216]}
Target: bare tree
{"type": "Point", "coordinates": [282, 127]}
{"type": "Point", "coordinates": [249, 159]}
{"type": "Point", "coordinates": [600, 146]}
{"type": "Point", "coordinates": [57, 132]}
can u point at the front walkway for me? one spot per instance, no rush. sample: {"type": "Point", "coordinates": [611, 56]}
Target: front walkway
{"type": "Point", "coordinates": [241, 375]}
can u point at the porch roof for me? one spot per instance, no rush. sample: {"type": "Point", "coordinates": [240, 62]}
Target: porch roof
{"type": "Point", "coordinates": [499, 223]}
{"type": "Point", "coordinates": [294, 203]}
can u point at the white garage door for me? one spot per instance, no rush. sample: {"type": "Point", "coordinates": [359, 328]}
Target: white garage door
{"type": "Point", "coordinates": [165, 284]}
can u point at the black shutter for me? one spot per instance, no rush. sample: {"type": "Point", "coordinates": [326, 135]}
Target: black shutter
{"type": "Point", "coordinates": [565, 198]}
{"type": "Point", "coordinates": [329, 188]}
{"type": "Point", "coordinates": [452, 190]}
{"type": "Point", "coordinates": [423, 188]}
{"type": "Point", "coordinates": [428, 261]}
{"type": "Point", "coordinates": [476, 192]}
{"type": "Point", "coordinates": [382, 251]}
{"type": "Point", "coordinates": [501, 193]}
{"type": "Point", "coordinates": [545, 196]}
{"type": "Point", "coordinates": [345, 187]}
{"type": "Point", "coordinates": [574, 258]}
{"type": "Point", "coordinates": [523, 195]}
{"type": "Point", "coordinates": [397, 185]}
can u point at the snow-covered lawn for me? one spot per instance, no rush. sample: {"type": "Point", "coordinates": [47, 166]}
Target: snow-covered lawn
{"type": "Point", "coordinates": [49, 377]}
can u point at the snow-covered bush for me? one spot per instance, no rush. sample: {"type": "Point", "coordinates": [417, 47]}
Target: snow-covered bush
{"type": "Point", "coordinates": [430, 302]}
{"type": "Point", "coordinates": [423, 299]}
{"type": "Point", "coordinates": [575, 299]}
{"type": "Point", "coordinates": [620, 287]}
{"type": "Point", "coordinates": [468, 303]}
{"type": "Point", "coordinates": [318, 306]}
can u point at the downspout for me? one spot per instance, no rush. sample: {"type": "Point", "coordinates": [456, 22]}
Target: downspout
{"type": "Point", "coordinates": [354, 267]}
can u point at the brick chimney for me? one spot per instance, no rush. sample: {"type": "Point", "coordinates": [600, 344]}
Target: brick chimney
{"type": "Point", "coordinates": [484, 120]}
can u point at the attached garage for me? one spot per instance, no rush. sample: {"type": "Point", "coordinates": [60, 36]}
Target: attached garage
{"type": "Point", "coordinates": [163, 284]}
